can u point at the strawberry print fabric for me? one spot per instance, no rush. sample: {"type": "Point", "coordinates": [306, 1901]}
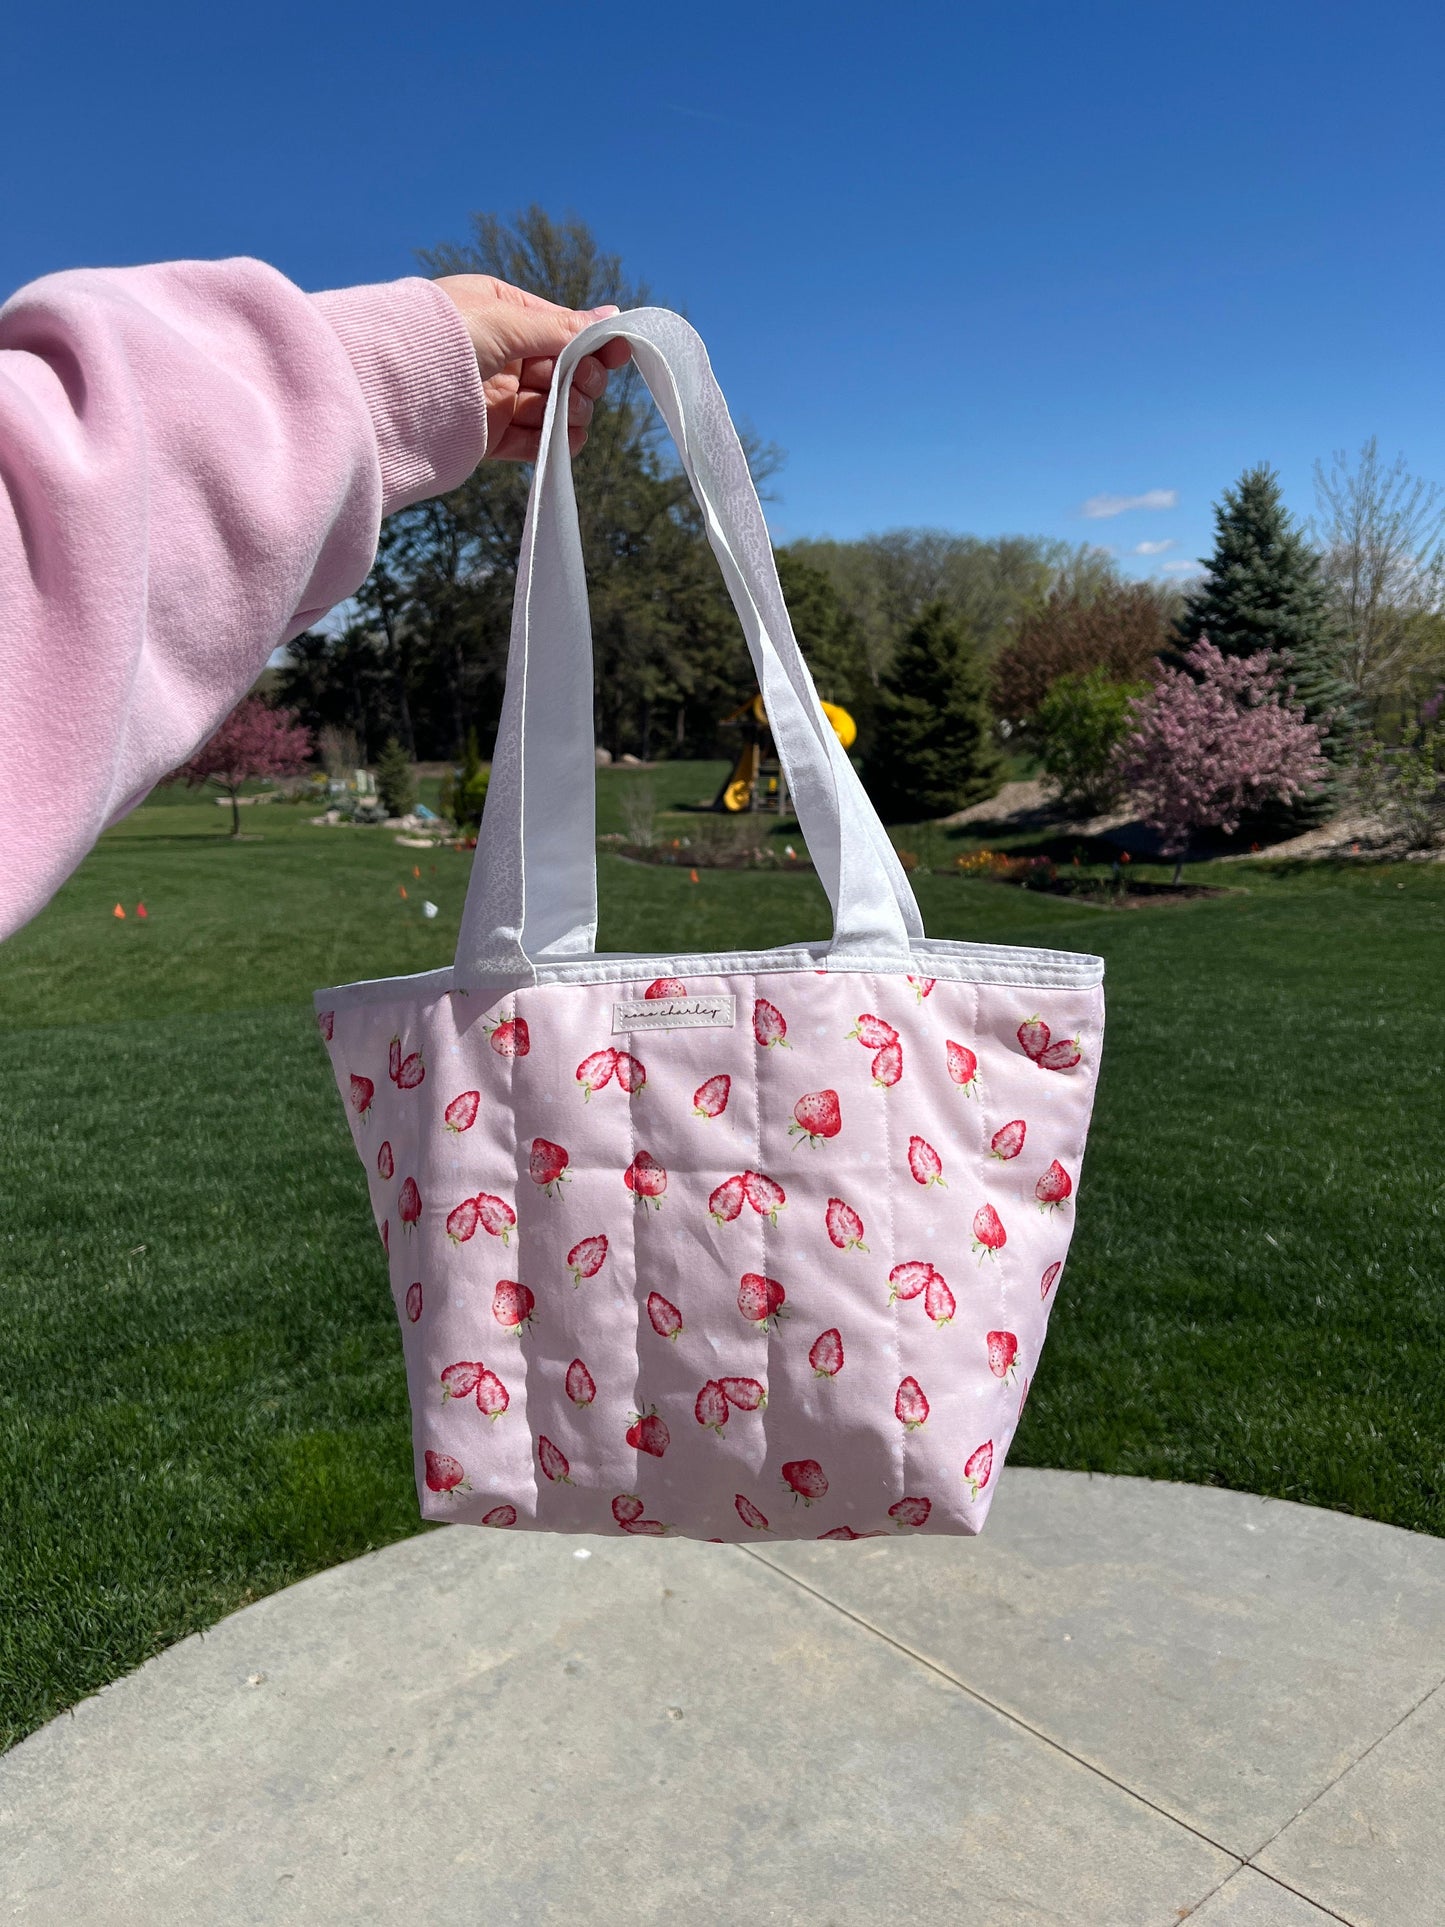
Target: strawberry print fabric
{"type": "Point", "coordinates": [784, 1278]}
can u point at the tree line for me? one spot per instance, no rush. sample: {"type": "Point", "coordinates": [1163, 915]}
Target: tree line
{"type": "Point", "coordinates": [942, 645]}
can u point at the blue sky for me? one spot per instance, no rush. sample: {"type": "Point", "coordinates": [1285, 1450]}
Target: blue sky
{"type": "Point", "coordinates": [971, 266]}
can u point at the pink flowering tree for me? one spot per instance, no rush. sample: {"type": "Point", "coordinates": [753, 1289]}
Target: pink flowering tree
{"type": "Point", "coordinates": [1208, 744]}
{"type": "Point", "coordinates": [254, 742]}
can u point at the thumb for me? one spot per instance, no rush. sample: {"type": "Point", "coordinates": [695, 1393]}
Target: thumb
{"type": "Point", "coordinates": [538, 329]}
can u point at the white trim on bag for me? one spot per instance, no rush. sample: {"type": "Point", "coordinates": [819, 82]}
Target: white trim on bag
{"type": "Point", "coordinates": [941, 958]}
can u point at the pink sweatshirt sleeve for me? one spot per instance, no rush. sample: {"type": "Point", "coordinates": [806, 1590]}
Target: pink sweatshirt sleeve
{"type": "Point", "coordinates": [194, 462]}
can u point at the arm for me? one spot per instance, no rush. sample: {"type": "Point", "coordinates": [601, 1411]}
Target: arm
{"type": "Point", "coordinates": [194, 462]}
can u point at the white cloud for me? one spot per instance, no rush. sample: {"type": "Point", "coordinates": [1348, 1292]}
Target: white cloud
{"type": "Point", "coordinates": [1184, 568]}
{"type": "Point", "coordinates": [1098, 507]}
{"type": "Point", "coordinates": [1152, 548]}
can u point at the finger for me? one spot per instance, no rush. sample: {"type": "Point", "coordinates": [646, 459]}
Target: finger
{"type": "Point", "coordinates": [535, 328]}
{"type": "Point", "coordinates": [590, 376]}
{"type": "Point", "coordinates": [529, 410]}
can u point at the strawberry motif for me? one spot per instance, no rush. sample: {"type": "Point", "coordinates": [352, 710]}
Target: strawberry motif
{"type": "Point", "coordinates": [463, 1221]}
{"type": "Point", "coordinates": [587, 1258]}
{"type": "Point", "coordinates": [412, 1072]}
{"type": "Point", "coordinates": [385, 1162]}
{"type": "Point", "coordinates": [760, 1300]}
{"type": "Point", "coordinates": [645, 1178]}
{"type": "Point", "coordinates": [909, 1279]}
{"type": "Point", "coordinates": [922, 986]}
{"type": "Point", "coordinates": [408, 1203]}
{"type": "Point", "coordinates": [888, 1066]}
{"type": "Point", "coordinates": [510, 1039]}
{"type": "Point", "coordinates": [413, 1301]}
{"type": "Point", "coordinates": [710, 1407]}
{"type": "Point", "coordinates": [393, 1059]}
{"type": "Point", "coordinates": [462, 1379]}
{"type": "Point", "coordinates": [1008, 1141]}
{"type": "Point", "coordinates": [846, 1533]}
{"type": "Point", "coordinates": [845, 1227]}
{"type": "Point", "coordinates": [826, 1357]}
{"type": "Point", "coordinates": [548, 1165]}
{"type": "Point", "coordinates": [806, 1478]}
{"type": "Point", "coordinates": [461, 1114]}
{"type": "Point", "coordinates": [764, 1194]}
{"type": "Point", "coordinates": [326, 1023]}
{"type": "Point", "coordinates": [444, 1474]}
{"type": "Point", "coordinates": [1050, 1277]}
{"type": "Point", "coordinates": [646, 1528]}
{"type": "Point", "coordinates": [666, 987]}
{"type": "Point", "coordinates": [726, 1201]}
{"type": "Point", "coordinates": [512, 1306]}
{"type": "Point", "coordinates": [745, 1393]}
{"type": "Point", "coordinates": [386, 1236]}
{"type": "Point", "coordinates": [666, 1318]}
{"type": "Point", "coordinates": [925, 1163]}
{"type": "Point", "coordinates": [910, 1406]}
{"type": "Point", "coordinates": [553, 1461]}
{"type": "Point", "coordinates": [492, 1398]}
{"type": "Point", "coordinates": [989, 1235]}
{"type": "Point", "coordinates": [769, 1025]}
{"type": "Point", "coordinates": [496, 1215]}
{"type": "Point", "coordinates": [362, 1092]}
{"type": "Point", "coordinates": [749, 1514]}
{"type": "Point", "coordinates": [581, 1386]}
{"type": "Point", "coordinates": [1033, 1036]}
{"type": "Point", "coordinates": [1003, 1351]}
{"type": "Point", "coordinates": [500, 1515]}
{"type": "Point", "coordinates": [1063, 1056]}
{"type": "Point", "coordinates": [647, 1433]}
{"type": "Point", "coordinates": [711, 1099]}
{"type": "Point", "coordinates": [595, 1071]}
{"type": "Point", "coordinates": [962, 1067]}
{"type": "Point", "coordinates": [630, 1074]}
{"type": "Point", "coordinates": [873, 1032]}
{"type": "Point", "coordinates": [979, 1465]}
{"type": "Point", "coordinates": [1054, 1187]}
{"type": "Point", "coordinates": [938, 1301]}
{"type": "Point", "coordinates": [626, 1507]}
{"type": "Point", "coordinates": [817, 1116]}
{"type": "Point", "coordinates": [911, 1512]}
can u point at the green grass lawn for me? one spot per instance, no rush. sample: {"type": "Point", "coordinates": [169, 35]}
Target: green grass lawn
{"type": "Point", "coordinates": [201, 1394]}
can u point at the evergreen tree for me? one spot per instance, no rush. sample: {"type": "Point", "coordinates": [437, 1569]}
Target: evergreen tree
{"type": "Point", "coordinates": [1264, 592]}
{"type": "Point", "coordinates": [396, 780]}
{"type": "Point", "coordinates": [933, 738]}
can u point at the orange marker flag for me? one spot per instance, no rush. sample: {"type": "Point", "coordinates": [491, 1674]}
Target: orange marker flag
{"type": "Point", "coordinates": [415, 871]}
{"type": "Point", "coordinates": [141, 911]}
{"type": "Point", "coordinates": [692, 876]}
{"type": "Point", "coordinates": [401, 889]}
{"type": "Point", "coordinates": [117, 912]}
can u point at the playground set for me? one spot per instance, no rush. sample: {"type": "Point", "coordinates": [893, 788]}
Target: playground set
{"type": "Point", "coordinates": [756, 781]}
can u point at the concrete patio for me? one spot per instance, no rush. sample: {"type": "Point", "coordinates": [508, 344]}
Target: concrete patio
{"type": "Point", "coordinates": [1126, 1704]}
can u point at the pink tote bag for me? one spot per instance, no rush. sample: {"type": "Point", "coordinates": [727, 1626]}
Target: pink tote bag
{"type": "Point", "coordinates": [745, 1245]}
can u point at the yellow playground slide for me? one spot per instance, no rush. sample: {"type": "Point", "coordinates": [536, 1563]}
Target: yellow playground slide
{"type": "Point", "coordinates": [755, 781]}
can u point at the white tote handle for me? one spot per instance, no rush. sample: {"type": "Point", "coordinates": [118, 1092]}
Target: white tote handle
{"type": "Point", "coordinates": [533, 892]}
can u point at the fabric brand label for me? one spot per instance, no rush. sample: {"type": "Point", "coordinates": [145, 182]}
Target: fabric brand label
{"type": "Point", "coordinates": [675, 1013]}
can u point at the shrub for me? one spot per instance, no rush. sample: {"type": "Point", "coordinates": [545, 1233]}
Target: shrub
{"type": "Point", "coordinates": [1078, 727]}
{"type": "Point", "coordinates": [1403, 783]}
{"type": "Point", "coordinates": [396, 780]}
{"type": "Point", "coordinates": [1119, 628]}
{"type": "Point", "coordinates": [464, 791]}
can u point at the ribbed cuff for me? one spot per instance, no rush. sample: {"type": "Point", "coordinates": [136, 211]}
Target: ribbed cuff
{"type": "Point", "coordinates": [418, 371]}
